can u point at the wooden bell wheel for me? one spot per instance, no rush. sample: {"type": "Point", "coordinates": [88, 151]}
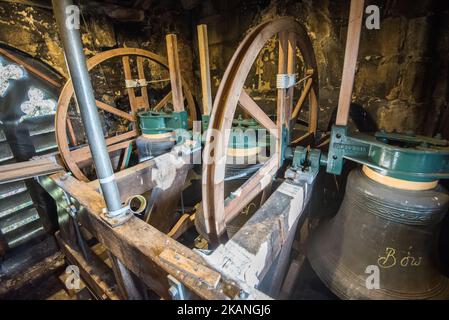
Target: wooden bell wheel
{"type": "Point", "coordinates": [292, 40]}
{"type": "Point", "coordinates": [75, 154]}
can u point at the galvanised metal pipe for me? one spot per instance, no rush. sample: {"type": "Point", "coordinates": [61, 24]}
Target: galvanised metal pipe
{"type": "Point", "coordinates": [76, 62]}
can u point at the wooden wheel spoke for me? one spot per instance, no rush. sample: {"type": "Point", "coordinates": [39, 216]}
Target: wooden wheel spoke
{"type": "Point", "coordinates": [106, 107]}
{"type": "Point", "coordinates": [163, 102]}
{"type": "Point", "coordinates": [302, 98]}
{"type": "Point", "coordinates": [291, 66]}
{"type": "Point", "coordinates": [217, 211]}
{"type": "Point", "coordinates": [64, 129]}
{"type": "Point", "coordinates": [118, 142]}
{"type": "Point", "coordinates": [257, 113]}
{"type": "Point", "coordinates": [72, 135]}
{"type": "Point", "coordinates": [141, 73]}
{"type": "Point", "coordinates": [251, 188]}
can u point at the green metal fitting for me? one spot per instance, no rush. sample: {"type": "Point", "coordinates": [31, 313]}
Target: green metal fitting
{"type": "Point", "coordinates": [205, 118]}
{"type": "Point", "coordinates": [152, 122]}
{"type": "Point", "coordinates": [402, 156]}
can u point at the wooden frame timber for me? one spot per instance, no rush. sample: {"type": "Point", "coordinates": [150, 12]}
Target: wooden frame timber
{"type": "Point", "coordinates": [203, 48]}
{"type": "Point", "coordinates": [151, 255]}
{"type": "Point", "coordinates": [350, 61]}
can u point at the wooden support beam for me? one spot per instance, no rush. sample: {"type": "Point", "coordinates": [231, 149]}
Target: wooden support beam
{"type": "Point", "coordinates": [175, 72]}
{"type": "Point", "coordinates": [30, 68]}
{"type": "Point", "coordinates": [28, 169]}
{"type": "Point", "coordinates": [95, 272]}
{"type": "Point", "coordinates": [184, 223]}
{"type": "Point", "coordinates": [138, 246]}
{"type": "Point", "coordinates": [203, 47]}
{"type": "Point", "coordinates": [251, 252]}
{"type": "Point", "coordinates": [139, 178]}
{"type": "Point", "coordinates": [106, 107]}
{"type": "Point", "coordinates": [291, 69]}
{"type": "Point", "coordinates": [257, 113]}
{"type": "Point", "coordinates": [302, 98]}
{"type": "Point", "coordinates": [281, 93]}
{"type": "Point", "coordinates": [350, 61]}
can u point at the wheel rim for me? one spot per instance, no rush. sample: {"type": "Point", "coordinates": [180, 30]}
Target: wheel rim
{"type": "Point", "coordinates": [230, 93]}
{"type": "Point", "coordinates": [118, 142]}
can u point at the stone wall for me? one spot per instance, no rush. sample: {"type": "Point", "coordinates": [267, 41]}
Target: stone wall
{"type": "Point", "coordinates": [34, 31]}
{"type": "Point", "coordinates": [402, 68]}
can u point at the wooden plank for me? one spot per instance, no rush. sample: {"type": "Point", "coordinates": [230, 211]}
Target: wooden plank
{"type": "Point", "coordinates": [126, 282]}
{"type": "Point", "coordinates": [144, 89]}
{"type": "Point", "coordinates": [292, 276]}
{"type": "Point", "coordinates": [203, 48]}
{"type": "Point", "coordinates": [350, 61]}
{"type": "Point", "coordinates": [139, 178]}
{"type": "Point", "coordinates": [104, 106]}
{"type": "Point", "coordinates": [131, 94]}
{"type": "Point", "coordinates": [302, 98]}
{"type": "Point", "coordinates": [281, 93]}
{"type": "Point", "coordinates": [253, 250]}
{"type": "Point", "coordinates": [199, 271]}
{"type": "Point", "coordinates": [163, 102]}
{"type": "Point", "coordinates": [184, 223]}
{"type": "Point", "coordinates": [30, 68]}
{"type": "Point", "coordinates": [94, 272]}
{"type": "Point", "coordinates": [291, 69]}
{"type": "Point", "coordinates": [28, 169]}
{"type": "Point", "coordinates": [257, 113]}
{"type": "Point", "coordinates": [175, 72]}
{"type": "Point", "coordinates": [114, 143]}
{"type": "Point", "coordinates": [163, 215]}
{"type": "Point", "coordinates": [137, 244]}
{"type": "Point", "coordinates": [251, 188]}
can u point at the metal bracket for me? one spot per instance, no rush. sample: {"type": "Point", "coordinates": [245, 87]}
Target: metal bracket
{"type": "Point", "coordinates": [116, 220]}
{"type": "Point", "coordinates": [177, 290]}
{"type": "Point", "coordinates": [305, 165]}
{"type": "Point", "coordinates": [135, 83]}
{"type": "Point", "coordinates": [285, 81]}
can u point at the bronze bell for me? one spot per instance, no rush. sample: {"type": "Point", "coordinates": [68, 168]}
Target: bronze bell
{"type": "Point", "coordinates": [385, 230]}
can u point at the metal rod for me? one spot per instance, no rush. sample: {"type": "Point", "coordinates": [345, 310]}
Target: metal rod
{"type": "Point", "coordinates": [76, 62]}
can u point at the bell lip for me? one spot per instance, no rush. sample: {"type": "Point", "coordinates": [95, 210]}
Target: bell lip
{"type": "Point", "coordinates": [359, 292]}
{"type": "Point", "coordinates": [398, 183]}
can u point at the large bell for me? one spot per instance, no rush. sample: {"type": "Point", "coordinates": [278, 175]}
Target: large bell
{"type": "Point", "coordinates": [382, 231]}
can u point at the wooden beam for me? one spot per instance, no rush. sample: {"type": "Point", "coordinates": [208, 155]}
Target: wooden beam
{"type": "Point", "coordinates": [163, 102]}
{"type": "Point", "coordinates": [184, 223]}
{"type": "Point", "coordinates": [114, 143]}
{"type": "Point", "coordinates": [257, 113]}
{"type": "Point", "coordinates": [251, 188]}
{"type": "Point", "coordinates": [281, 93]}
{"type": "Point", "coordinates": [350, 61]}
{"type": "Point", "coordinates": [203, 47]}
{"type": "Point", "coordinates": [138, 246]}
{"type": "Point", "coordinates": [95, 272]}
{"type": "Point", "coordinates": [106, 107]}
{"type": "Point", "coordinates": [30, 68]}
{"type": "Point", "coordinates": [144, 89]}
{"type": "Point", "coordinates": [139, 178]}
{"type": "Point", "coordinates": [252, 251]}
{"type": "Point", "coordinates": [28, 169]}
{"type": "Point", "coordinates": [175, 72]}
{"type": "Point", "coordinates": [291, 69]}
{"type": "Point", "coordinates": [302, 98]}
